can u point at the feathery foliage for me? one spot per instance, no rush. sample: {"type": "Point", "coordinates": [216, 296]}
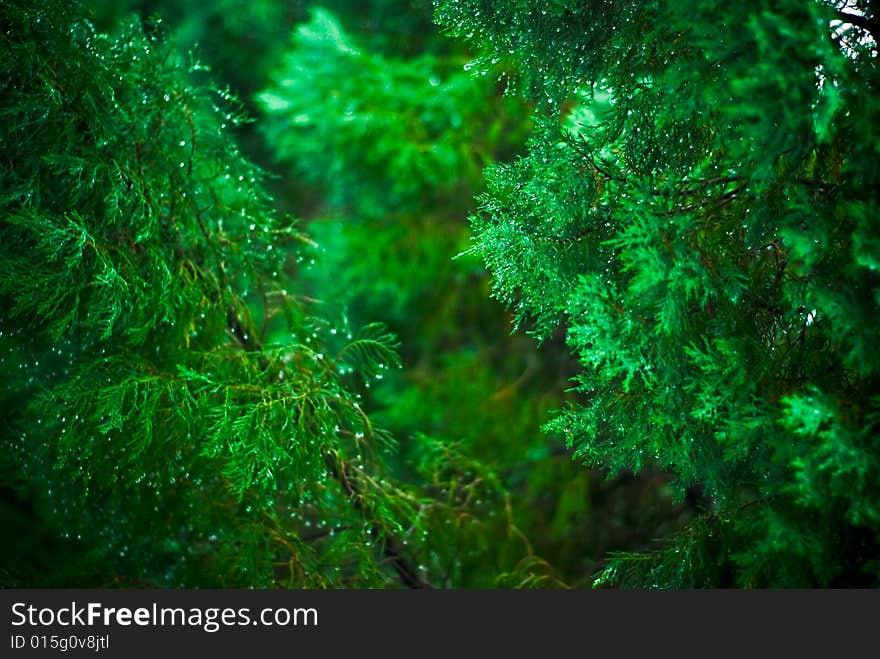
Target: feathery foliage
{"type": "Point", "coordinates": [174, 407]}
{"type": "Point", "coordinates": [697, 207]}
{"type": "Point", "coordinates": [200, 390]}
{"type": "Point", "coordinates": [396, 138]}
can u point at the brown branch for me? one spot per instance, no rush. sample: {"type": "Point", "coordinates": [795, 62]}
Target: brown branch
{"type": "Point", "coordinates": [393, 547]}
{"type": "Point", "coordinates": [866, 23]}
{"type": "Point", "coordinates": [323, 533]}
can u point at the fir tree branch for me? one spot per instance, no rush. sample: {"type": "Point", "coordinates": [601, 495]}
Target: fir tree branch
{"type": "Point", "coordinates": [392, 546]}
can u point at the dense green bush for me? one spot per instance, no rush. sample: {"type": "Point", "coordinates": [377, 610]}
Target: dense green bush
{"type": "Point", "coordinates": [215, 376]}
{"type": "Point", "coordinates": [396, 139]}
{"type": "Point", "coordinates": [697, 208]}
{"type": "Point", "coordinates": [176, 411]}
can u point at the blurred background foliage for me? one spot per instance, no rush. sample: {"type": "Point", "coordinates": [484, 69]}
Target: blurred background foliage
{"type": "Point", "coordinates": [374, 133]}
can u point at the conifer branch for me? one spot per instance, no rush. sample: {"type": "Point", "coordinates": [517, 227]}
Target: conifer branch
{"type": "Point", "coordinates": [866, 23]}
{"type": "Point", "coordinates": [392, 547]}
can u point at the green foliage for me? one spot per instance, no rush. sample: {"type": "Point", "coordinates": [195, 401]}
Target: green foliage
{"type": "Point", "coordinates": [201, 391]}
{"type": "Point", "coordinates": [396, 138]}
{"type": "Point", "coordinates": [366, 120]}
{"type": "Point", "coordinates": [176, 412]}
{"type": "Point", "coordinates": [695, 208]}
{"type": "Point", "coordinates": [388, 133]}
{"type": "Point", "coordinates": [236, 39]}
